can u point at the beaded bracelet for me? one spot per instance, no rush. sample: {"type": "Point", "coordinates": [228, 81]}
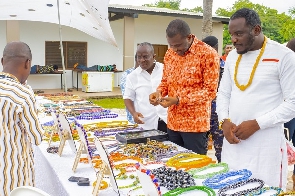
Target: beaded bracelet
{"type": "Point", "coordinates": [194, 172]}
{"type": "Point", "coordinates": [265, 189]}
{"type": "Point", "coordinates": [179, 191]}
{"type": "Point", "coordinates": [287, 193]}
{"type": "Point", "coordinates": [216, 181]}
{"type": "Point", "coordinates": [222, 191]}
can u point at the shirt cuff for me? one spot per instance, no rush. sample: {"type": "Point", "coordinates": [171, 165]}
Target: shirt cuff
{"type": "Point", "coordinates": [265, 121]}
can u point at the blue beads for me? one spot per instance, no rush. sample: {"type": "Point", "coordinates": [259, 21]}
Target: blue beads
{"type": "Point", "coordinates": [216, 181]}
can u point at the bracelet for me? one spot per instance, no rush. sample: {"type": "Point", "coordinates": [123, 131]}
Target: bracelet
{"type": "Point", "coordinates": [216, 181]}
{"type": "Point", "coordinates": [221, 123]}
{"type": "Point", "coordinates": [265, 189]}
{"type": "Point", "coordinates": [179, 191]}
{"type": "Point", "coordinates": [222, 191]}
{"type": "Point", "coordinates": [287, 193]}
{"type": "Point", "coordinates": [194, 172]}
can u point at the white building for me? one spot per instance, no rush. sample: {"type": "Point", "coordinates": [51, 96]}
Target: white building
{"type": "Point", "coordinates": [130, 24]}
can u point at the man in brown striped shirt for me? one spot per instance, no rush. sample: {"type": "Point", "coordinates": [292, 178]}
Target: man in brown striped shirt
{"type": "Point", "coordinates": [18, 117]}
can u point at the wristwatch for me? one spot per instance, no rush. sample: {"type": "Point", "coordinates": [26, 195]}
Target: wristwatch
{"type": "Point", "coordinates": [221, 123]}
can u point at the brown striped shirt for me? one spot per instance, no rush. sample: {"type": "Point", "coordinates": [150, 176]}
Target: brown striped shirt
{"type": "Point", "coordinates": [19, 129]}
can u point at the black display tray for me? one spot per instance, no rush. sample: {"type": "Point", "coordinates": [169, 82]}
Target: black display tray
{"type": "Point", "coordinates": [136, 137]}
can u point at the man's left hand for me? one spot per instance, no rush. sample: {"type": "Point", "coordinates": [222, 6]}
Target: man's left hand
{"type": "Point", "coordinates": [168, 101]}
{"type": "Point", "coordinates": [246, 129]}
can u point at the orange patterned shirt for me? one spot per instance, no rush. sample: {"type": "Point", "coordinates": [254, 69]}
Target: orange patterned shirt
{"type": "Point", "coordinates": [193, 78]}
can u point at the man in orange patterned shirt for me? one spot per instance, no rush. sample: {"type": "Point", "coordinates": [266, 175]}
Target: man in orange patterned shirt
{"type": "Point", "coordinates": [190, 79]}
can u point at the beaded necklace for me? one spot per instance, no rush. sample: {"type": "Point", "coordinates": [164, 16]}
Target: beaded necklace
{"type": "Point", "coordinates": [179, 191]}
{"type": "Point", "coordinates": [152, 176]}
{"type": "Point", "coordinates": [265, 189]}
{"type": "Point", "coordinates": [172, 179]}
{"type": "Point", "coordinates": [194, 172]}
{"type": "Point", "coordinates": [222, 191]}
{"type": "Point", "coordinates": [215, 181]}
{"type": "Point", "coordinates": [184, 161]}
{"type": "Point", "coordinates": [287, 193]}
{"type": "Point", "coordinates": [244, 87]}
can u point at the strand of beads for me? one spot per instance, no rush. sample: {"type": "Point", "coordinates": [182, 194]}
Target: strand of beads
{"type": "Point", "coordinates": [265, 189]}
{"type": "Point", "coordinates": [172, 179]}
{"type": "Point", "coordinates": [195, 172]}
{"type": "Point", "coordinates": [216, 181]}
{"type": "Point", "coordinates": [92, 117]}
{"type": "Point", "coordinates": [152, 176]}
{"type": "Point", "coordinates": [179, 191]}
{"type": "Point", "coordinates": [287, 193]}
{"type": "Point", "coordinates": [187, 161]}
{"type": "Point", "coordinates": [222, 191]}
{"type": "Point", "coordinates": [159, 157]}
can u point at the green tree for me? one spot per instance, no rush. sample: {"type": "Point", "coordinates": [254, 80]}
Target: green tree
{"type": "Point", "coordinates": [276, 26]}
{"type": "Point", "coordinates": [170, 4]}
{"type": "Point", "coordinates": [197, 9]}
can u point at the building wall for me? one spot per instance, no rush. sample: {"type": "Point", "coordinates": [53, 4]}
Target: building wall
{"type": "Point", "coordinates": [148, 28]}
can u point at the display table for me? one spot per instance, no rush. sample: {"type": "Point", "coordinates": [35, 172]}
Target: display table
{"type": "Point", "coordinates": [51, 74]}
{"type": "Point", "coordinates": [52, 173]}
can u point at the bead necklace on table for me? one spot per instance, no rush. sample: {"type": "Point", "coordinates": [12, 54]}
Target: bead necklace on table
{"type": "Point", "coordinates": [172, 179]}
{"type": "Point", "coordinates": [222, 191]}
{"type": "Point", "coordinates": [265, 189]}
{"type": "Point", "coordinates": [195, 172]}
{"type": "Point", "coordinates": [179, 191]}
{"type": "Point", "coordinates": [93, 117]}
{"type": "Point", "coordinates": [216, 181]}
{"type": "Point", "coordinates": [188, 161]}
{"type": "Point", "coordinates": [159, 157]}
{"type": "Point", "coordinates": [287, 193]}
{"type": "Point", "coordinates": [149, 173]}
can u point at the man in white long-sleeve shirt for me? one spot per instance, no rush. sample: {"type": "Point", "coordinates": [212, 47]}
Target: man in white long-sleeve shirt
{"type": "Point", "coordinates": [139, 85]}
{"type": "Point", "coordinates": [256, 96]}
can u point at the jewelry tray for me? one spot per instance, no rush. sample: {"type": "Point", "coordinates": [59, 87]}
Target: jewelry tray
{"type": "Point", "coordinates": [136, 137]}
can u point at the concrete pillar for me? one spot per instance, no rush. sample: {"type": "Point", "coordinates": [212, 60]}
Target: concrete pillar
{"type": "Point", "coordinates": [128, 42]}
{"type": "Point", "coordinates": [12, 31]}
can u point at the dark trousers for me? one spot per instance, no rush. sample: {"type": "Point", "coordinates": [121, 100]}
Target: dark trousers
{"type": "Point", "coordinates": [197, 142]}
{"type": "Point", "coordinates": [217, 134]}
{"type": "Point", "coordinates": [162, 126]}
{"type": "Point", "coordinates": [291, 126]}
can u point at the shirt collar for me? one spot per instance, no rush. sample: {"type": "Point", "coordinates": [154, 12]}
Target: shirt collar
{"type": "Point", "coordinates": [8, 75]}
{"type": "Point", "coordinates": [192, 48]}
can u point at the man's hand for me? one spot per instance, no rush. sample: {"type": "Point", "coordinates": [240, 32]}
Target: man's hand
{"type": "Point", "coordinates": [155, 98]}
{"type": "Point", "coordinates": [246, 129]}
{"type": "Point", "coordinates": [136, 117]}
{"type": "Point", "coordinates": [168, 101]}
{"type": "Point", "coordinates": [228, 128]}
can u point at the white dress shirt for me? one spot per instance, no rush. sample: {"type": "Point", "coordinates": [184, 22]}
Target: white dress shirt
{"type": "Point", "coordinates": [270, 99]}
{"type": "Point", "coordinates": [139, 85]}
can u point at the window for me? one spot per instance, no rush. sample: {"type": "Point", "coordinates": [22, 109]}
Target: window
{"type": "Point", "coordinates": [74, 52]}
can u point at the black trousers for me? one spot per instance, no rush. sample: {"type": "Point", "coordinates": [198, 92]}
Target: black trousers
{"type": "Point", "coordinates": [162, 126]}
{"type": "Point", "coordinates": [197, 142]}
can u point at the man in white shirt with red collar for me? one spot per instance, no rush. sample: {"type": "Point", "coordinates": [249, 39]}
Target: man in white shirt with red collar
{"type": "Point", "coordinates": [139, 85]}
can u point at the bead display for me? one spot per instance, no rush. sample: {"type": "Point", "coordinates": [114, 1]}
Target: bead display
{"type": "Point", "coordinates": [195, 172]}
{"type": "Point", "coordinates": [222, 191]}
{"type": "Point", "coordinates": [265, 189]}
{"type": "Point", "coordinates": [179, 191]}
{"type": "Point", "coordinates": [219, 181]}
{"type": "Point", "coordinates": [172, 179]}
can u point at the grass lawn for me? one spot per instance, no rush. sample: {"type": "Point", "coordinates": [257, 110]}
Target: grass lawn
{"type": "Point", "coordinates": [109, 103]}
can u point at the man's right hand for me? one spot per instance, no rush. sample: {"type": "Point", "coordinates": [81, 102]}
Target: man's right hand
{"type": "Point", "coordinates": [136, 117]}
{"type": "Point", "coordinates": [155, 98]}
{"type": "Point", "coordinates": [228, 132]}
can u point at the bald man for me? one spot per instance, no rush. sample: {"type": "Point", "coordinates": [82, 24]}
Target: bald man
{"type": "Point", "coordinates": [19, 122]}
